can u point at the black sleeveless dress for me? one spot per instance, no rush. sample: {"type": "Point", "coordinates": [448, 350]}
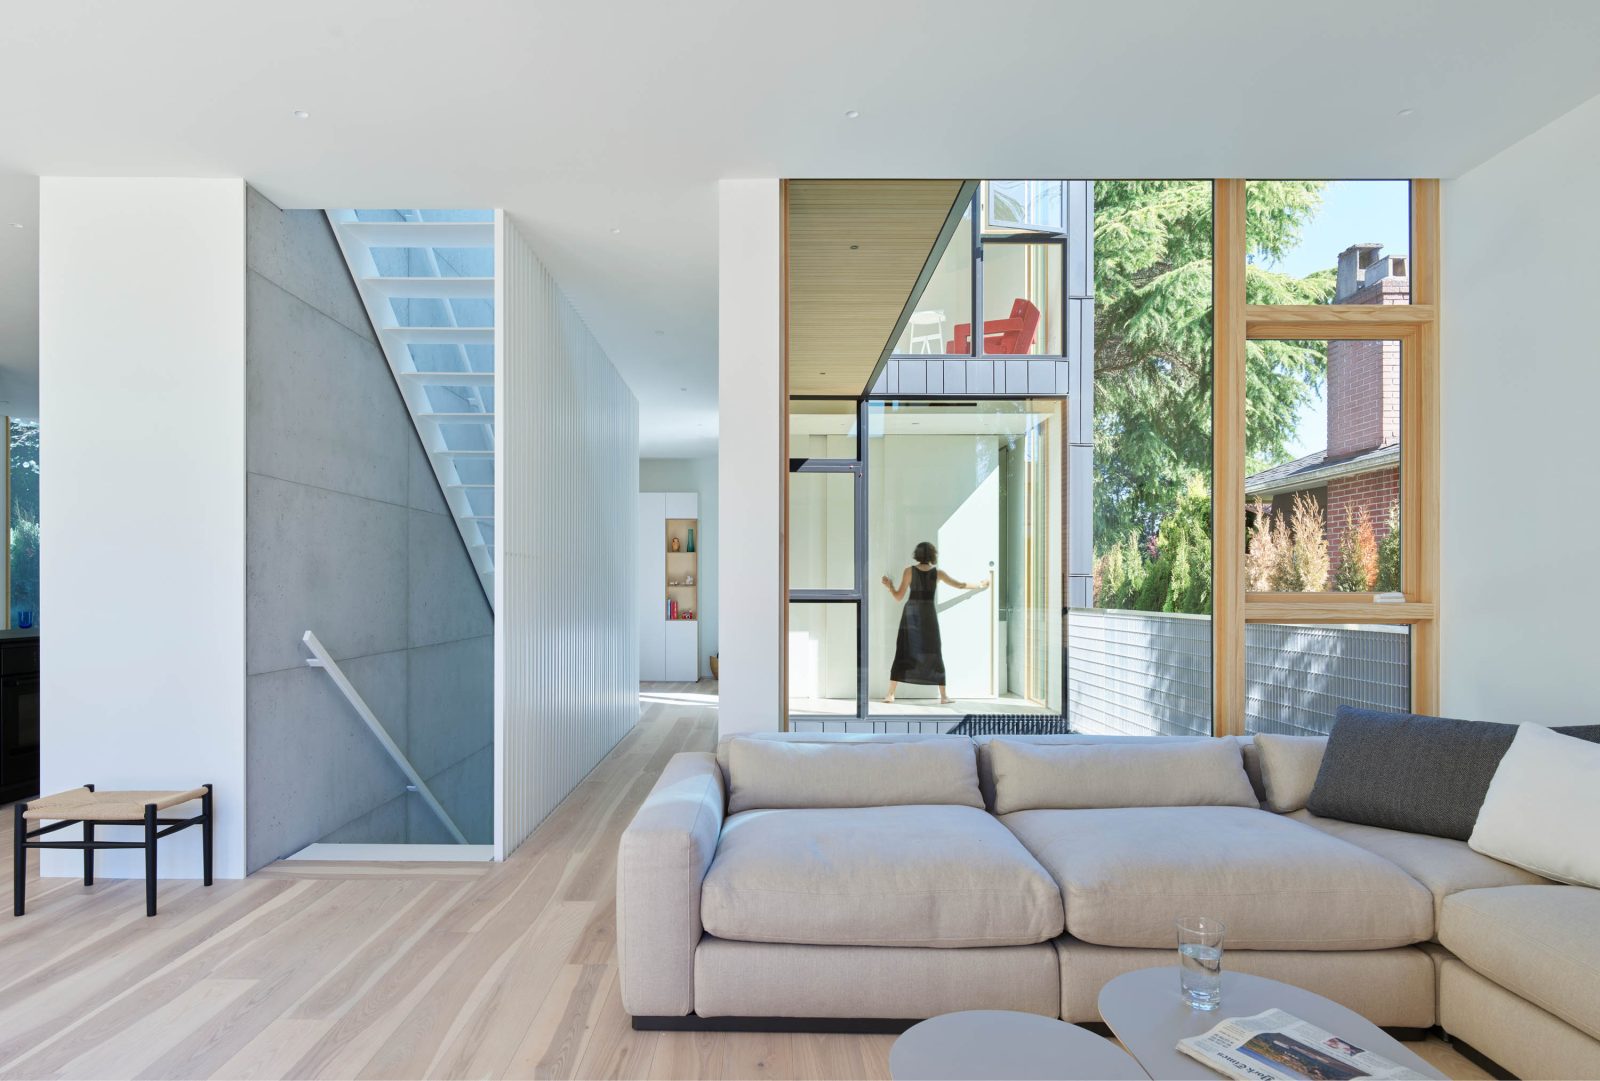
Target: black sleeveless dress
{"type": "Point", "coordinates": [918, 653]}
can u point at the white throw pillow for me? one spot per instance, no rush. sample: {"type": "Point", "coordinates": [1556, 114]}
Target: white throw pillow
{"type": "Point", "coordinates": [1543, 807]}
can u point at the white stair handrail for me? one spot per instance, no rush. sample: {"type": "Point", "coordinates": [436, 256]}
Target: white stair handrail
{"type": "Point", "coordinates": [321, 658]}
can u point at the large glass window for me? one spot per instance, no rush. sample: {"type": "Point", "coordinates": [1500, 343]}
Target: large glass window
{"type": "Point", "coordinates": [24, 539]}
{"type": "Point", "coordinates": [1022, 298]}
{"type": "Point", "coordinates": [964, 565]}
{"type": "Point", "coordinates": [1140, 652]}
{"type": "Point", "coordinates": [822, 531]}
{"type": "Point", "coordinates": [822, 428]}
{"type": "Point", "coordinates": [823, 665]}
{"type": "Point", "coordinates": [1322, 484]}
{"type": "Point", "coordinates": [945, 302]}
{"type": "Point", "coordinates": [1328, 241]}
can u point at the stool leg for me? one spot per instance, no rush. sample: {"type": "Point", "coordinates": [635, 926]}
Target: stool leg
{"type": "Point", "coordinates": [205, 835]}
{"type": "Point", "coordinates": [149, 859]}
{"type": "Point", "coordinates": [88, 853]}
{"type": "Point", "coordinates": [19, 890]}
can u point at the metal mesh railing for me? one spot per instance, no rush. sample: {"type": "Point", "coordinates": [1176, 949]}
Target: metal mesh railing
{"type": "Point", "coordinates": [1149, 673]}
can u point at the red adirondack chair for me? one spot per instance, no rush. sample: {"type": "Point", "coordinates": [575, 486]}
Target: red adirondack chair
{"type": "Point", "coordinates": [1013, 335]}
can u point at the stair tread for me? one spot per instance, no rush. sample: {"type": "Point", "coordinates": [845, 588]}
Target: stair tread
{"type": "Point", "coordinates": [431, 288]}
{"type": "Point", "coordinates": [421, 234]}
{"type": "Point", "coordinates": [441, 335]}
{"type": "Point", "coordinates": [460, 379]}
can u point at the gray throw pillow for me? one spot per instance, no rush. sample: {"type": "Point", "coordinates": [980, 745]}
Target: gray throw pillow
{"type": "Point", "coordinates": [1405, 771]}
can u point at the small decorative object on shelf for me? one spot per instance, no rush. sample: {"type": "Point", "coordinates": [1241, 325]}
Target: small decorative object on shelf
{"type": "Point", "coordinates": [675, 545]}
{"type": "Point", "coordinates": [691, 539]}
{"type": "Point", "coordinates": [688, 579]}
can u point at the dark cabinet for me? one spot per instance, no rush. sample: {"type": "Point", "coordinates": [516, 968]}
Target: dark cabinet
{"type": "Point", "coordinates": [19, 719]}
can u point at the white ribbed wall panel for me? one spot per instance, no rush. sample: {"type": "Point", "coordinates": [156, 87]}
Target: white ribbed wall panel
{"type": "Point", "coordinates": [566, 518]}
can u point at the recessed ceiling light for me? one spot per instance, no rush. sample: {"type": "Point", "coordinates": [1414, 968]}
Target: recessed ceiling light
{"type": "Point", "coordinates": [16, 225]}
{"type": "Point", "coordinates": [852, 114]}
{"type": "Point", "coordinates": [301, 114]}
{"type": "Point", "coordinates": [615, 229]}
{"type": "Point", "coordinates": [1405, 112]}
{"type": "Point", "coordinates": [684, 389]}
{"type": "Point", "coordinates": [660, 332]}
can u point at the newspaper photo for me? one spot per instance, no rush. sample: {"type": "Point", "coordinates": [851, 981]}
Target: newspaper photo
{"type": "Point", "coordinates": [1276, 1045]}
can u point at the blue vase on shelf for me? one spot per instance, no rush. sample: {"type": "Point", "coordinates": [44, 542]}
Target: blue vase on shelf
{"type": "Point", "coordinates": [691, 540]}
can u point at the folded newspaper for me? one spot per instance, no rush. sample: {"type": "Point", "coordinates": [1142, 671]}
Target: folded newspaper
{"type": "Point", "coordinates": [1278, 1046]}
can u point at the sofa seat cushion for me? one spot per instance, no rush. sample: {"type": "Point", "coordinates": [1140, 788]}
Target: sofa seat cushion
{"type": "Point", "coordinates": [1442, 864]}
{"type": "Point", "coordinates": [1537, 941]}
{"type": "Point", "coordinates": [940, 876]}
{"type": "Point", "coordinates": [1127, 873]}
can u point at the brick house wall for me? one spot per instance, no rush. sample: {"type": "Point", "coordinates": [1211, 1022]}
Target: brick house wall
{"type": "Point", "coordinates": [1363, 389]}
{"type": "Point", "coordinates": [1363, 395]}
{"type": "Point", "coordinates": [1375, 492]}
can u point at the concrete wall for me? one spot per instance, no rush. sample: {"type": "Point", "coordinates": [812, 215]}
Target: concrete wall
{"type": "Point", "coordinates": [348, 536]}
{"type": "Point", "coordinates": [142, 389]}
{"type": "Point", "coordinates": [1519, 380]}
{"type": "Point", "coordinates": [697, 475]}
{"type": "Point", "coordinates": [750, 452]}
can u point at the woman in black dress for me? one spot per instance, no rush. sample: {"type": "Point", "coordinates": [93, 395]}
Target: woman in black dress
{"type": "Point", "coordinates": [918, 653]}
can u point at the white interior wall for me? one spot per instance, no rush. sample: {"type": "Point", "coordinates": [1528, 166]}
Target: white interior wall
{"type": "Point", "coordinates": [142, 392]}
{"type": "Point", "coordinates": [698, 475]}
{"type": "Point", "coordinates": [749, 451]}
{"type": "Point", "coordinates": [1520, 529]}
{"type": "Point", "coordinates": [566, 525]}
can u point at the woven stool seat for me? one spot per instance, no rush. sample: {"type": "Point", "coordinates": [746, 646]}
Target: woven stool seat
{"type": "Point", "coordinates": [87, 808]}
{"type": "Point", "coordinates": [80, 803]}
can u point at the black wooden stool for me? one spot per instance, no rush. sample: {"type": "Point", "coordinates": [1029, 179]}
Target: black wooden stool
{"type": "Point", "coordinates": [89, 808]}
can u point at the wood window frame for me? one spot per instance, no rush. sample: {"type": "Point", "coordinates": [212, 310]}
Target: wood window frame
{"type": "Point", "coordinates": [1416, 327]}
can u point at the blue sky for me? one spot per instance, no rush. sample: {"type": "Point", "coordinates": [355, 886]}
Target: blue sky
{"type": "Point", "coordinates": [1352, 212]}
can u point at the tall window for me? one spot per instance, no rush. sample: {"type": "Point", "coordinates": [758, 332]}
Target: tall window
{"type": "Point", "coordinates": [23, 439]}
{"type": "Point", "coordinates": [1327, 348]}
{"type": "Point", "coordinates": [1140, 648]}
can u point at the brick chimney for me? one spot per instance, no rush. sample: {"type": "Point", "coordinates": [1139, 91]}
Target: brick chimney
{"type": "Point", "coordinates": [1363, 391]}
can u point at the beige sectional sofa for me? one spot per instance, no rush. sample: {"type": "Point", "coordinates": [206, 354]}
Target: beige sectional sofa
{"type": "Point", "coordinates": [811, 881]}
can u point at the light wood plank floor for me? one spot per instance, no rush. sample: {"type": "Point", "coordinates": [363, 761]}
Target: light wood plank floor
{"type": "Point", "coordinates": [387, 970]}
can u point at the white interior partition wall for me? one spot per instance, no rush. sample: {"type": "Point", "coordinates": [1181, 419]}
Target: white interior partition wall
{"type": "Point", "coordinates": [566, 516]}
{"type": "Point", "coordinates": [749, 452]}
{"type": "Point", "coordinates": [142, 389]}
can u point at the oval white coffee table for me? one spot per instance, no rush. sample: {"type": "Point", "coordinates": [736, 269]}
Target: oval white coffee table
{"type": "Point", "coordinates": [1148, 1014]}
{"type": "Point", "coordinates": [1002, 1043]}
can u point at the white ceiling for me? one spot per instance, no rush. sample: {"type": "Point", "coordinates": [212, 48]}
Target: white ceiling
{"type": "Point", "coordinates": [586, 116]}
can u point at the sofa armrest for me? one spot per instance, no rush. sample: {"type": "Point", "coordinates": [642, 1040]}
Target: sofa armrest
{"type": "Point", "coordinates": [663, 858]}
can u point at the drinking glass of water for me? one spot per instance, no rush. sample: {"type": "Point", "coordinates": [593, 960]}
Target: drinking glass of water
{"type": "Point", "coordinates": [1200, 961]}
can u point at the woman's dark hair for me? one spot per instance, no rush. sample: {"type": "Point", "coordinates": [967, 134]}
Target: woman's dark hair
{"type": "Point", "coordinates": [925, 553]}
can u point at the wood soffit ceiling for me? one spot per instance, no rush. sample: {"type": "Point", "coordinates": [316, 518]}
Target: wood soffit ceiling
{"type": "Point", "coordinates": [845, 303]}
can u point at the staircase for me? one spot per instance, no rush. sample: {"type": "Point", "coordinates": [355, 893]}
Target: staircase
{"type": "Point", "coordinates": [427, 280]}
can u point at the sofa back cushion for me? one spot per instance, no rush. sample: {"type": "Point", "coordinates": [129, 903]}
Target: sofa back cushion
{"type": "Point", "coordinates": [773, 774]}
{"type": "Point", "coordinates": [1246, 745]}
{"type": "Point", "coordinates": [1543, 807]}
{"type": "Point", "coordinates": [1403, 771]}
{"type": "Point", "coordinates": [1289, 767]}
{"type": "Point", "coordinates": [1031, 776]}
